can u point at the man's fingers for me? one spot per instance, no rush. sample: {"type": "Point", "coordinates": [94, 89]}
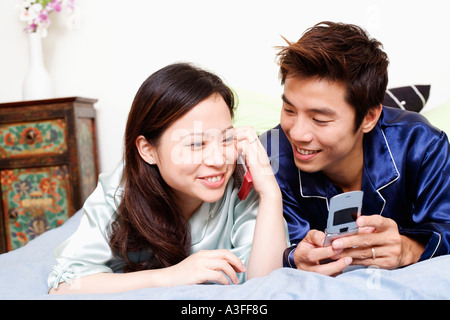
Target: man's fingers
{"type": "Point", "coordinates": [376, 221]}
{"type": "Point", "coordinates": [315, 238]}
{"type": "Point", "coordinates": [311, 251]}
{"type": "Point", "coordinates": [332, 268]}
{"type": "Point", "coordinates": [373, 232]}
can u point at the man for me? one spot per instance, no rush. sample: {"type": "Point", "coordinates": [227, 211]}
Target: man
{"type": "Point", "coordinates": [335, 136]}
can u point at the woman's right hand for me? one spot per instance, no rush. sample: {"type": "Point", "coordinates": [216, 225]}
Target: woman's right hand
{"type": "Point", "coordinates": [207, 265]}
{"type": "Point", "coordinates": [198, 268]}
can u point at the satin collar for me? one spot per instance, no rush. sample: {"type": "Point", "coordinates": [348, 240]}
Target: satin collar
{"type": "Point", "coordinates": [379, 171]}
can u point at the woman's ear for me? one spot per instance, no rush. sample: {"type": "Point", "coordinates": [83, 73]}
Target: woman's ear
{"type": "Point", "coordinates": [371, 118]}
{"type": "Point", "coordinates": [146, 150]}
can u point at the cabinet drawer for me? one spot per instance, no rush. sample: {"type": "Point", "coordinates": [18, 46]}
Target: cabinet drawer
{"type": "Point", "coordinates": [33, 138]}
{"type": "Point", "coordinates": [34, 201]}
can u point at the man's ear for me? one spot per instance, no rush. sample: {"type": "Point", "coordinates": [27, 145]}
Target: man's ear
{"type": "Point", "coordinates": [146, 150]}
{"type": "Point", "coordinates": [371, 118]}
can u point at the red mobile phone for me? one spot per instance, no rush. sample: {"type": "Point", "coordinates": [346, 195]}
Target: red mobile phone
{"type": "Point", "coordinates": [242, 178]}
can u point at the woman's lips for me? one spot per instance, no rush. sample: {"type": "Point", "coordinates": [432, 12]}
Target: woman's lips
{"type": "Point", "coordinates": [213, 181]}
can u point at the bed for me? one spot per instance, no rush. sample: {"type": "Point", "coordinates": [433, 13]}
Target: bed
{"type": "Point", "coordinates": [23, 275]}
{"type": "Point", "coordinates": [24, 271]}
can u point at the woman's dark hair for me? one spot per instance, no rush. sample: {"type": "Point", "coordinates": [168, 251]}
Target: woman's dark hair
{"type": "Point", "coordinates": [344, 53]}
{"type": "Point", "coordinates": [148, 223]}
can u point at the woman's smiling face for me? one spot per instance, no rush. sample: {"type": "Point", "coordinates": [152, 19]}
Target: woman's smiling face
{"type": "Point", "coordinates": [196, 155]}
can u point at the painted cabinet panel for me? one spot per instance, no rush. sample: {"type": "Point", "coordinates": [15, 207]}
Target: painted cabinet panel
{"type": "Point", "coordinates": [48, 165]}
{"type": "Point", "coordinates": [34, 201]}
{"type": "Point", "coordinates": [28, 138]}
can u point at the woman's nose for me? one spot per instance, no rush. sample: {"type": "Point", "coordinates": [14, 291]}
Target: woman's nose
{"type": "Point", "coordinates": [214, 154]}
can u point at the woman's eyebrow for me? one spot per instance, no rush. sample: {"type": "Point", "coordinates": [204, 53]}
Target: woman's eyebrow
{"type": "Point", "coordinates": [209, 132]}
{"type": "Point", "coordinates": [229, 128]}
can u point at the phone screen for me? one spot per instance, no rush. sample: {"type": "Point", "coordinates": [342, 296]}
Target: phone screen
{"type": "Point", "coordinates": [345, 216]}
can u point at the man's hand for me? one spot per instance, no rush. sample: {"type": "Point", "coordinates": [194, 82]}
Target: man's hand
{"type": "Point", "coordinates": [379, 243]}
{"type": "Point", "coordinates": [310, 252]}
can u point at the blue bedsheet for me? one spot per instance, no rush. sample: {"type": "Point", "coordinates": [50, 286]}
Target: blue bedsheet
{"type": "Point", "coordinates": [23, 275]}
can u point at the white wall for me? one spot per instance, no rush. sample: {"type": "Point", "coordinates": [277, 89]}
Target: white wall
{"type": "Point", "coordinates": [120, 43]}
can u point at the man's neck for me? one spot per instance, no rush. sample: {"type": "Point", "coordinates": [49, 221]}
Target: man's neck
{"type": "Point", "coordinates": [348, 174]}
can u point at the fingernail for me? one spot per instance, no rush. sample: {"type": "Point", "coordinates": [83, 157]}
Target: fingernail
{"type": "Point", "coordinates": [337, 244]}
{"type": "Point", "coordinates": [360, 222]}
{"type": "Point", "coordinates": [348, 260]}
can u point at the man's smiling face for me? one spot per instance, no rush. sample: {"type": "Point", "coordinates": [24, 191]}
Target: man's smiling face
{"type": "Point", "coordinates": [319, 124]}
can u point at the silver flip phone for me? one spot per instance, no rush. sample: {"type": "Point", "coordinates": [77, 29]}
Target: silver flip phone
{"type": "Point", "coordinates": [345, 208]}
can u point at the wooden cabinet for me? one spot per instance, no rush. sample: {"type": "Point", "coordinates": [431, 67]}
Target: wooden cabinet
{"type": "Point", "coordinates": [48, 165]}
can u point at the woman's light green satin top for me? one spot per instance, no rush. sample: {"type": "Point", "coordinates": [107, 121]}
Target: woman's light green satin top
{"type": "Point", "coordinates": [226, 224]}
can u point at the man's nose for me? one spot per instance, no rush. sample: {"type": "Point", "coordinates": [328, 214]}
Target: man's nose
{"type": "Point", "coordinates": [301, 131]}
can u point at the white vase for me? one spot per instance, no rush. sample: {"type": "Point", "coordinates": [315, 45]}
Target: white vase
{"type": "Point", "coordinates": [37, 84]}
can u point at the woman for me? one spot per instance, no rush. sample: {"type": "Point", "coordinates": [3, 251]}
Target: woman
{"type": "Point", "coordinates": [171, 215]}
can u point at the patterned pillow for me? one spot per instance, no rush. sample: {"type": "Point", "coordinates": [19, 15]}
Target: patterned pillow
{"type": "Point", "coordinates": [412, 98]}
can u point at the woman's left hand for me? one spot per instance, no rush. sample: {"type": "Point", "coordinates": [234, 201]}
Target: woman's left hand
{"type": "Point", "coordinates": [256, 159]}
{"type": "Point", "coordinates": [266, 254]}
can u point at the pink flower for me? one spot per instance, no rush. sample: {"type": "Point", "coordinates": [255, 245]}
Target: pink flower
{"type": "Point", "coordinates": [36, 13]}
{"type": "Point", "coordinates": [43, 16]}
{"type": "Point", "coordinates": [55, 5]}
